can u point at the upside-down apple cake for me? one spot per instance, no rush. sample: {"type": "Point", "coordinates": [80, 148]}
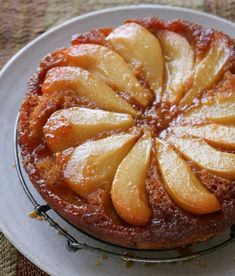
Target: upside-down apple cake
{"type": "Point", "coordinates": [129, 133]}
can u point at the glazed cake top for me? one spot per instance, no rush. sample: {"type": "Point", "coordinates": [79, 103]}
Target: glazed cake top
{"type": "Point", "coordinates": [130, 131]}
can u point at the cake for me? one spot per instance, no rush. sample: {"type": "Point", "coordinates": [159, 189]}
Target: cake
{"type": "Point", "coordinates": [129, 133]}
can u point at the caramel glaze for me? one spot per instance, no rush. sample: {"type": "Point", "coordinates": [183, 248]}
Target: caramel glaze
{"type": "Point", "coordinates": [170, 226]}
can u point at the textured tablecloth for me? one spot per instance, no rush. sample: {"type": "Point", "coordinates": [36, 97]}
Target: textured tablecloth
{"type": "Point", "coordinates": [23, 20]}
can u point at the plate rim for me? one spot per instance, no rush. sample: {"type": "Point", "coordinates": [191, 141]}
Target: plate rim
{"type": "Point", "coordinates": [97, 12]}
{"type": "Point", "coordinates": [6, 231]}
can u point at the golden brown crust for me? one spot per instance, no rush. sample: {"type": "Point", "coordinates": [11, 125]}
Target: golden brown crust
{"type": "Point", "coordinates": [170, 226]}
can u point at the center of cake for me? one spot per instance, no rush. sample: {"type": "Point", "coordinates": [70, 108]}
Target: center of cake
{"type": "Point", "coordinates": [158, 117]}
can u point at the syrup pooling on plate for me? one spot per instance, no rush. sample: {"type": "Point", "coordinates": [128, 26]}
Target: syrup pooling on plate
{"type": "Point", "coordinates": [148, 90]}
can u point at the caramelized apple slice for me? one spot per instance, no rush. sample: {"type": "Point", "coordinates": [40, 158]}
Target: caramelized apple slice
{"type": "Point", "coordinates": [205, 156]}
{"type": "Point", "coordinates": [142, 50]}
{"type": "Point", "coordinates": [128, 189]}
{"type": "Point", "coordinates": [86, 85]}
{"type": "Point", "coordinates": [94, 163]}
{"type": "Point", "coordinates": [220, 112]}
{"type": "Point", "coordinates": [208, 70]}
{"type": "Point", "coordinates": [179, 63]}
{"type": "Point", "coordinates": [68, 127]}
{"type": "Point", "coordinates": [110, 67]}
{"type": "Point", "coordinates": [180, 183]}
{"type": "Point", "coordinates": [216, 134]}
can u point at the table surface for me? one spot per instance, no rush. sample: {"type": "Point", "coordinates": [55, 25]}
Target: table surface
{"type": "Point", "coordinates": [23, 20]}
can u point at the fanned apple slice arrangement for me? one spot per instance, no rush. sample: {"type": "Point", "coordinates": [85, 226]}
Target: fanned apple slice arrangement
{"type": "Point", "coordinates": [110, 151]}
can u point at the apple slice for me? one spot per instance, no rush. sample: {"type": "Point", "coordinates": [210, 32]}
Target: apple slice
{"type": "Point", "coordinates": [218, 135]}
{"type": "Point", "coordinates": [205, 156]}
{"type": "Point", "coordinates": [142, 50]}
{"type": "Point", "coordinates": [208, 70]}
{"type": "Point", "coordinates": [94, 163]}
{"type": "Point", "coordinates": [110, 67]}
{"type": "Point", "coordinates": [128, 189]}
{"type": "Point", "coordinates": [181, 184]}
{"type": "Point", "coordinates": [220, 112]}
{"type": "Point", "coordinates": [68, 127]}
{"type": "Point", "coordinates": [86, 85]}
{"type": "Point", "coordinates": [179, 64]}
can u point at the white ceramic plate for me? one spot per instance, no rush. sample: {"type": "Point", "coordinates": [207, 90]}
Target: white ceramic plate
{"type": "Point", "coordinates": [36, 240]}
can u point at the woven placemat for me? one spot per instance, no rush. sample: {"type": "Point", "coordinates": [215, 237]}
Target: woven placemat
{"type": "Point", "coordinates": [23, 20]}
